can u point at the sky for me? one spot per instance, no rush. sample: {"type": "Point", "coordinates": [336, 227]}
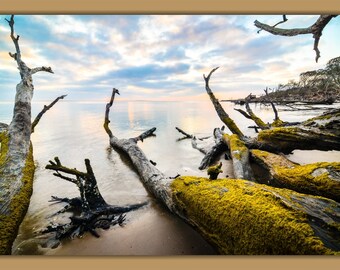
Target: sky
{"type": "Point", "coordinates": [158, 57]}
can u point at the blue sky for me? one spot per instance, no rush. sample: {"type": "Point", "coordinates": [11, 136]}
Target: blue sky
{"type": "Point", "coordinates": [158, 57]}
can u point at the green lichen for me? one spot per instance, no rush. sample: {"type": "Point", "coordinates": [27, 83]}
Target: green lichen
{"type": "Point", "coordinates": [241, 217]}
{"type": "Point", "coordinates": [9, 224]}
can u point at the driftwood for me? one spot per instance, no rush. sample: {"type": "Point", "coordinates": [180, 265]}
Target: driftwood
{"type": "Point", "coordinates": [239, 216]}
{"type": "Point", "coordinates": [16, 159]}
{"type": "Point", "coordinates": [90, 211]}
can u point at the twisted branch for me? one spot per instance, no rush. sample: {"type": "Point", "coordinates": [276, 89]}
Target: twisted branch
{"type": "Point", "coordinates": [315, 29]}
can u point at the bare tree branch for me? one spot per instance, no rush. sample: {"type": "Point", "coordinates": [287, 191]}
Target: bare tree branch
{"type": "Point", "coordinates": [315, 29]}
{"type": "Point", "coordinates": [145, 135]}
{"type": "Point", "coordinates": [245, 114]}
{"type": "Point", "coordinates": [46, 69]}
{"type": "Point", "coordinates": [44, 110]}
{"type": "Point", "coordinates": [284, 19]}
{"type": "Point", "coordinates": [272, 104]}
{"type": "Point", "coordinates": [219, 109]}
{"type": "Point", "coordinates": [258, 121]}
{"type": "Point", "coordinates": [107, 113]}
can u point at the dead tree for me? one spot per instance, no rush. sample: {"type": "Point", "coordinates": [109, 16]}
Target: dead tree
{"type": "Point", "coordinates": [315, 29]}
{"type": "Point", "coordinates": [90, 210]}
{"type": "Point", "coordinates": [16, 160]}
{"type": "Point", "coordinates": [321, 135]}
{"type": "Point", "coordinates": [239, 216]}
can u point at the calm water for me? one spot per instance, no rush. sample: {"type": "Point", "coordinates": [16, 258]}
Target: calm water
{"type": "Point", "coordinates": [73, 131]}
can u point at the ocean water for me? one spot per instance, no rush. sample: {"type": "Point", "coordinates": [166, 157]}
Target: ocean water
{"type": "Point", "coordinates": [74, 131]}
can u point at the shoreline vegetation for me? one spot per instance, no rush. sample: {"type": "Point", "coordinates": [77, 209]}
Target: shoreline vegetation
{"type": "Point", "coordinates": [282, 209]}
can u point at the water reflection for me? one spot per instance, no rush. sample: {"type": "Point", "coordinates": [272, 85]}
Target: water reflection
{"type": "Point", "coordinates": [74, 131]}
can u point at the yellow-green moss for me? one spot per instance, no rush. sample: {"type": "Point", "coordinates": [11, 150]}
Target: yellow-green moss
{"type": "Point", "coordinates": [232, 126]}
{"type": "Point", "coordinates": [257, 120]}
{"type": "Point", "coordinates": [277, 123]}
{"type": "Point", "coordinates": [9, 224]}
{"type": "Point", "coordinates": [301, 179]}
{"type": "Point", "coordinates": [237, 147]}
{"type": "Point", "coordinates": [3, 147]}
{"type": "Point", "coordinates": [326, 116]}
{"type": "Point", "coordinates": [241, 217]}
{"type": "Point", "coordinates": [214, 171]}
{"type": "Point", "coordinates": [280, 137]}
{"type": "Point", "coordinates": [271, 159]}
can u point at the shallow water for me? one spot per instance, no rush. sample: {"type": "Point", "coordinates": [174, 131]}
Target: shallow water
{"type": "Point", "coordinates": [74, 131]}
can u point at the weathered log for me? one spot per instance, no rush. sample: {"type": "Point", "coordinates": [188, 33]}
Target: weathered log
{"type": "Point", "coordinates": [320, 179]}
{"type": "Point", "coordinates": [239, 216]}
{"type": "Point", "coordinates": [153, 179]}
{"type": "Point", "coordinates": [287, 139]}
{"type": "Point", "coordinates": [16, 164]}
{"type": "Point", "coordinates": [90, 210]}
{"type": "Point", "coordinates": [240, 157]}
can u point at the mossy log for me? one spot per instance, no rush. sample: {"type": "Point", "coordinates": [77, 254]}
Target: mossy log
{"type": "Point", "coordinates": [240, 217]}
{"type": "Point", "coordinates": [287, 139]}
{"type": "Point", "coordinates": [321, 179]}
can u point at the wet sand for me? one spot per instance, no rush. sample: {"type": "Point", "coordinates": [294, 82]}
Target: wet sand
{"type": "Point", "coordinates": [147, 232]}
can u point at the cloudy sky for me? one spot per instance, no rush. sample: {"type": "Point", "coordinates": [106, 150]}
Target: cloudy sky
{"type": "Point", "coordinates": [159, 57]}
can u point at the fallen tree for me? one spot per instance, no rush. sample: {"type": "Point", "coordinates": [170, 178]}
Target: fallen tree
{"type": "Point", "coordinates": [239, 216]}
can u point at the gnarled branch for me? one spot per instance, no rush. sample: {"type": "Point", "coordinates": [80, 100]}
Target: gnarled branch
{"type": "Point", "coordinates": [315, 29]}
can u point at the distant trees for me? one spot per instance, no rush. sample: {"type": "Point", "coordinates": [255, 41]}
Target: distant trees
{"type": "Point", "coordinates": [320, 84]}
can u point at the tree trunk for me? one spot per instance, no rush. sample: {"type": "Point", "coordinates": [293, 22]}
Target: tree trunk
{"type": "Point", "coordinates": [16, 161]}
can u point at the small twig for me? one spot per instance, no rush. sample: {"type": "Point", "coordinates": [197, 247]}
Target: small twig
{"type": "Point", "coordinates": [145, 135]}
{"type": "Point", "coordinates": [284, 19]}
{"type": "Point", "coordinates": [184, 133]}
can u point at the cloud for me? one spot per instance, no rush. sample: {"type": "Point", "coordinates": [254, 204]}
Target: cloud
{"type": "Point", "coordinates": [159, 56]}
